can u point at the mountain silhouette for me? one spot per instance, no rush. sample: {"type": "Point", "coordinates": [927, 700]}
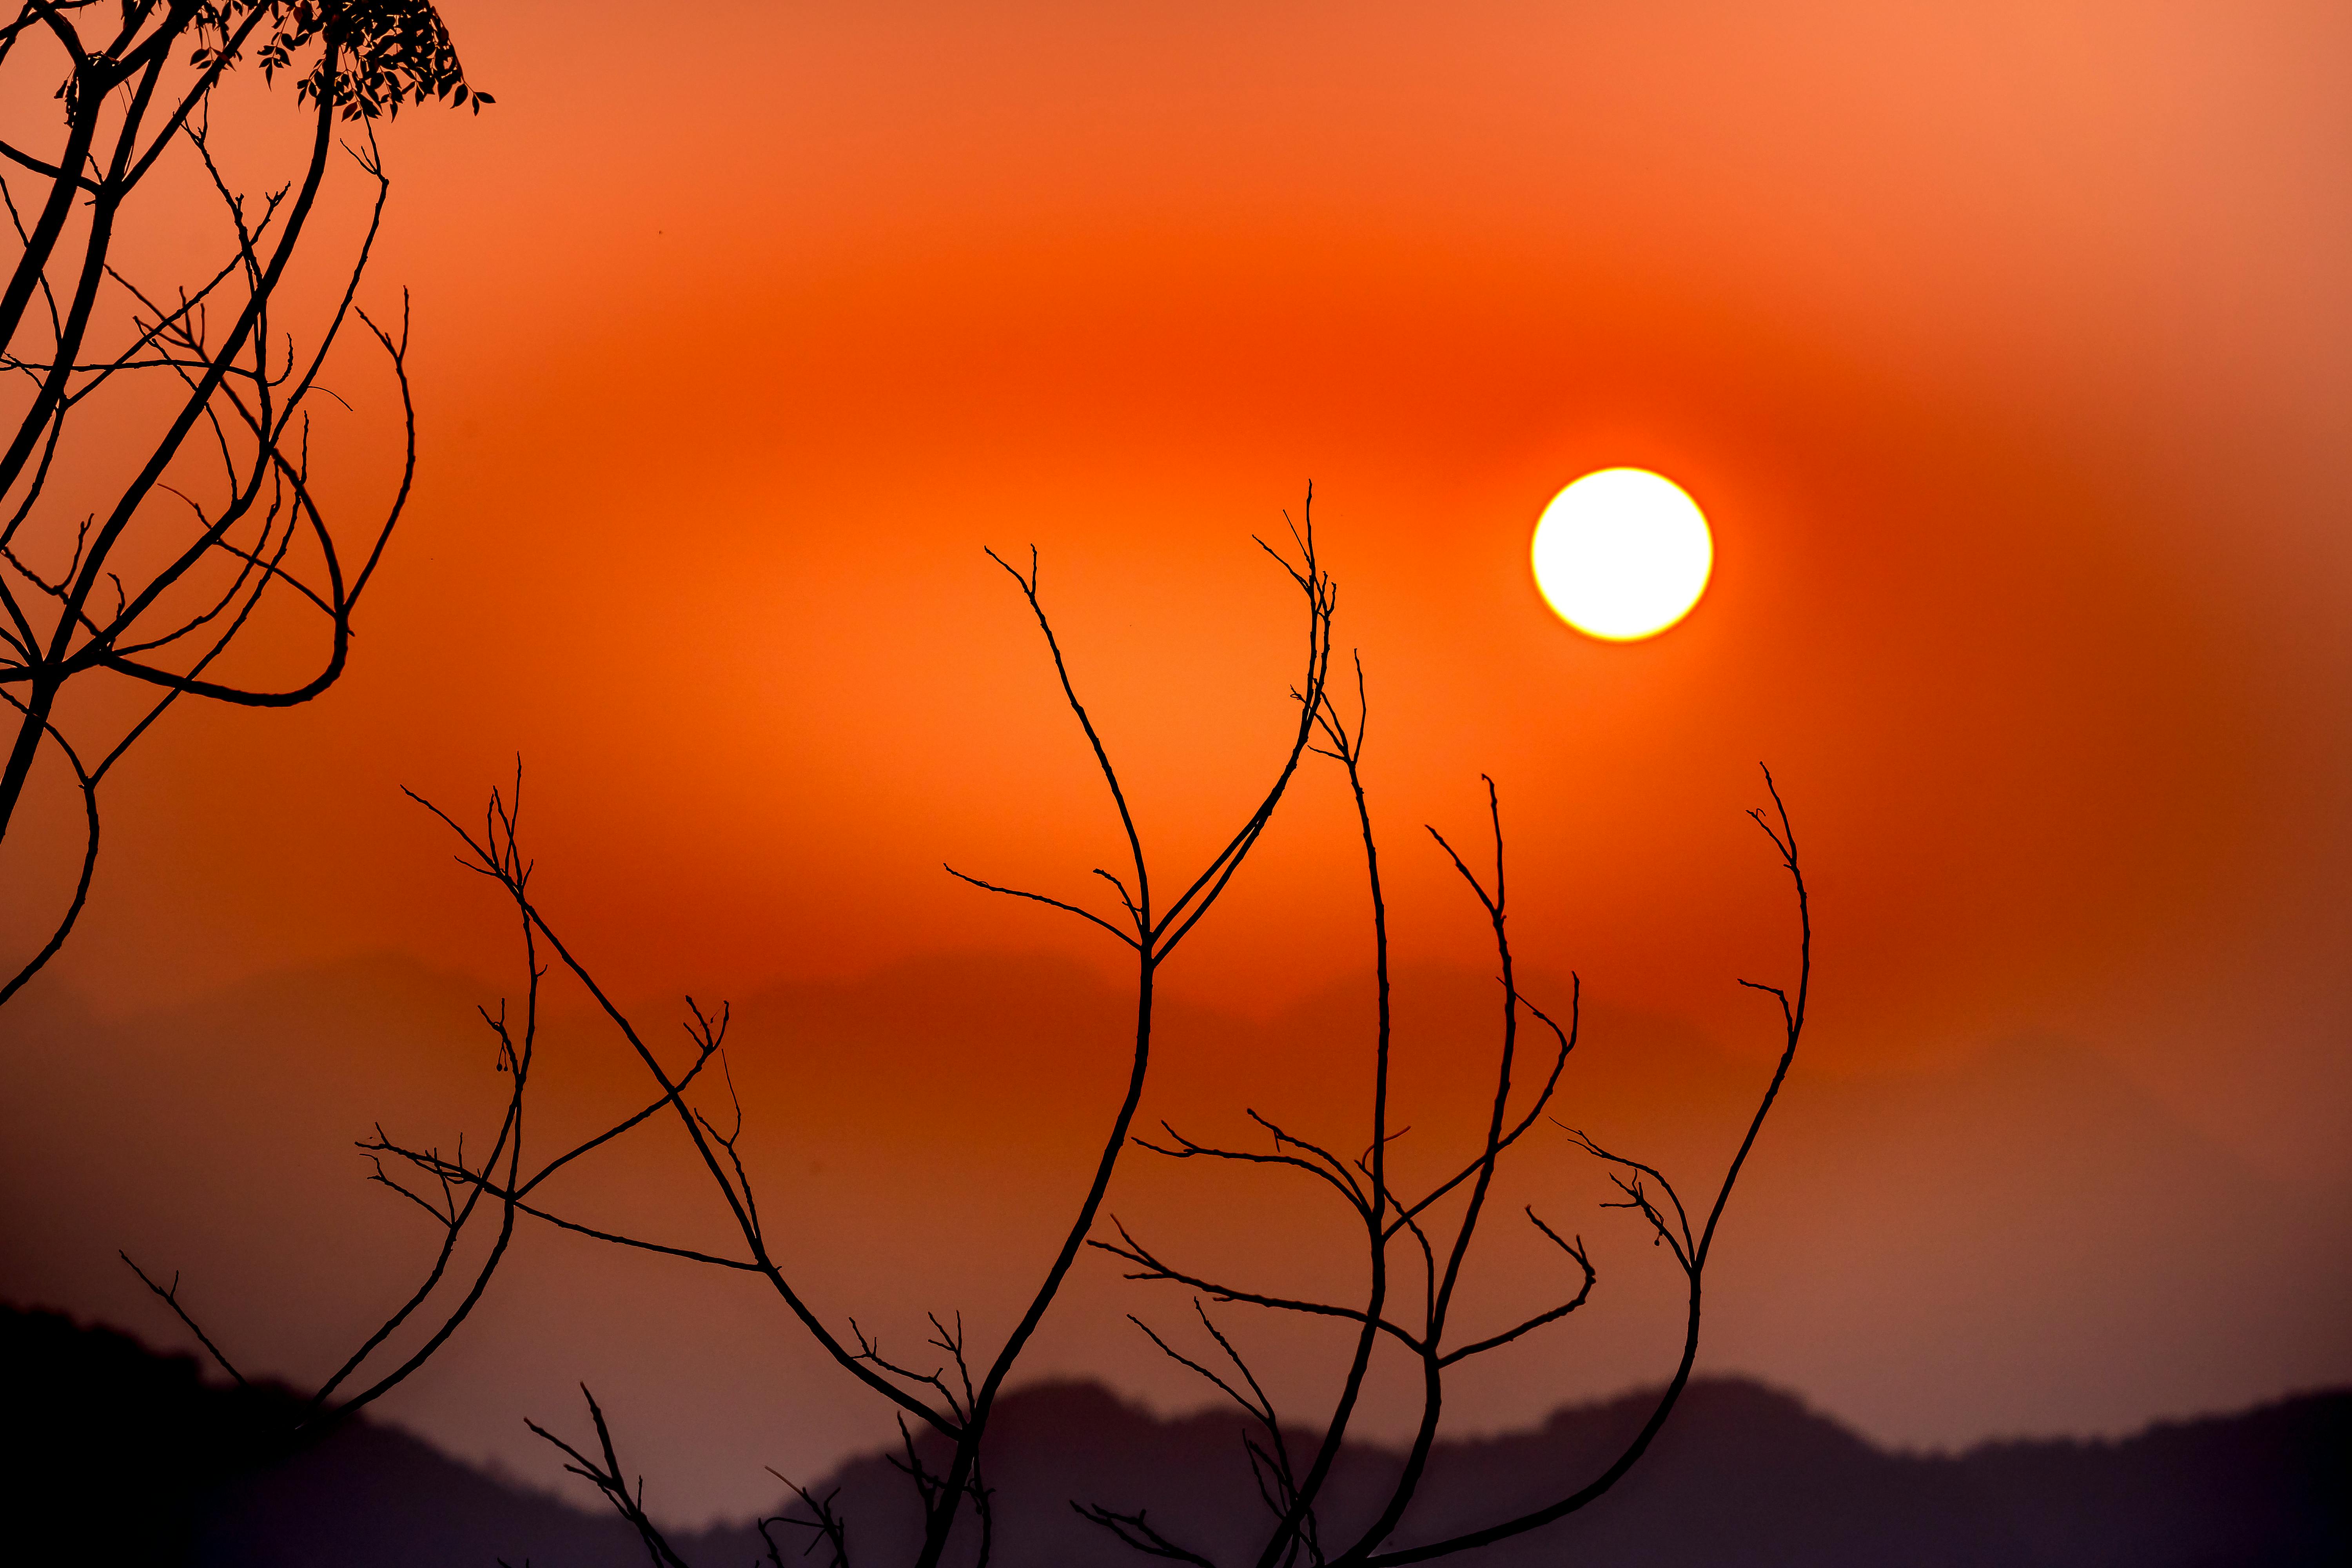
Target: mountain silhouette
{"type": "Point", "coordinates": [2016, 1241]}
{"type": "Point", "coordinates": [132, 1457]}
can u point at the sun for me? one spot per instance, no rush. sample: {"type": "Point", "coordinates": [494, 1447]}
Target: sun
{"type": "Point", "coordinates": [1622, 554]}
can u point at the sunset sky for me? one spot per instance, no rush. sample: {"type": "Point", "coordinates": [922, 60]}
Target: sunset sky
{"type": "Point", "coordinates": [2006, 347]}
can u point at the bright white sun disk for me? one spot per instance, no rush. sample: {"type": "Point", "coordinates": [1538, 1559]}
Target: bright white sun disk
{"type": "Point", "coordinates": [1622, 554]}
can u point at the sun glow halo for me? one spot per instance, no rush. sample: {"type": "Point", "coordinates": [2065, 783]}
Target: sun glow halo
{"type": "Point", "coordinates": [1622, 554]}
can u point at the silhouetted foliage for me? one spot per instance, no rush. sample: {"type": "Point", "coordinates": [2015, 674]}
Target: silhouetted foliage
{"type": "Point", "coordinates": [387, 52]}
{"type": "Point", "coordinates": [150, 571]}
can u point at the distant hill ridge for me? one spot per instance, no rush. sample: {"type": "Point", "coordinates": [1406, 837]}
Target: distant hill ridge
{"type": "Point", "coordinates": [138, 1460]}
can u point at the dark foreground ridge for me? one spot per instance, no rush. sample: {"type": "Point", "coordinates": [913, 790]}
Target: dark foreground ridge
{"type": "Point", "coordinates": [125, 1456]}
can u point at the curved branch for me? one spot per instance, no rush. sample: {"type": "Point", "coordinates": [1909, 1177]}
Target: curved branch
{"type": "Point", "coordinates": [1793, 1017]}
{"type": "Point", "coordinates": [1028, 586]}
{"type": "Point", "coordinates": [1187, 1150]}
{"type": "Point", "coordinates": [88, 783]}
{"type": "Point", "coordinates": [1494, 1342]}
{"type": "Point", "coordinates": [1042, 898]}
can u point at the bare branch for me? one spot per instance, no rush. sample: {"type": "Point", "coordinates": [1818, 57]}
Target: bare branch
{"type": "Point", "coordinates": [824, 1524]}
{"type": "Point", "coordinates": [1135, 1530]}
{"type": "Point", "coordinates": [1186, 1149]}
{"type": "Point", "coordinates": [1575, 1249]}
{"type": "Point", "coordinates": [1040, 898]}
{"type": "Point", "coordinates": [171, 1298]}
{"type": "Point", "coordinates": [608, 1479]}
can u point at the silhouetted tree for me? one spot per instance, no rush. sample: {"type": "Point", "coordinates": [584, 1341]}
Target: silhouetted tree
{"type": "Point", "coordinates": [145, 556]}
{"type": "Point", "coordinates": [943, 1410]}
{"type": "Point", "coordinates": [447, 1293]}
{"type": "Point", "coordinates": [955, 1398]}
{"type": "Point", "coordinates": [465, 1194]}
{"type": "Point", "coordinates": [1436, 1229]}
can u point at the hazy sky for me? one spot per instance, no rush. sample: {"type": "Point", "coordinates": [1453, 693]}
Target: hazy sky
{"type": "Point", "coordinates": [2005, 346]}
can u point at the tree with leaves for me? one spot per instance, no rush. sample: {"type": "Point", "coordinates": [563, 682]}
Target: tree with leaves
{"type": "Point", "coordinates": [129, 568]}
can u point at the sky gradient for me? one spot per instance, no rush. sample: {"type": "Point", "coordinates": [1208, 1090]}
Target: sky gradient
{"type": "Point", "coordinates": [2005, 346]}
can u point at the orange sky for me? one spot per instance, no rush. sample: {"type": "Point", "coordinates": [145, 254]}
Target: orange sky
{"type": "Point", "coordinates": [2005, 345]}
